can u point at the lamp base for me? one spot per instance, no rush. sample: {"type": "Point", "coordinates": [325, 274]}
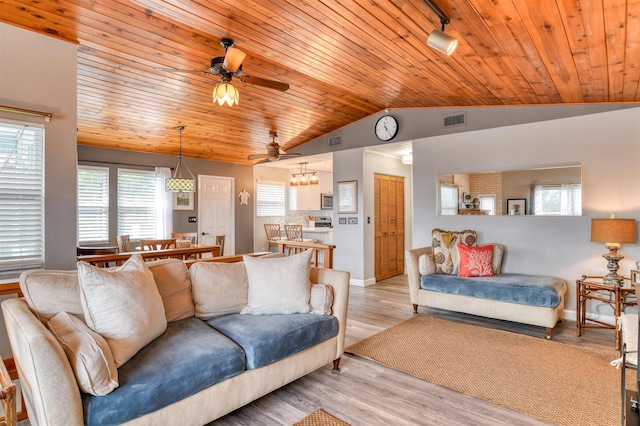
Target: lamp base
{"type": "Point", "coordinates": [612, 278]}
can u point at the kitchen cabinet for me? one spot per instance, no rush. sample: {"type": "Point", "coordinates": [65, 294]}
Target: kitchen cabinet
{"type": "Point", "coordinates": [307, 197]}
{"type": "Point", "coordinates": [304, 197]}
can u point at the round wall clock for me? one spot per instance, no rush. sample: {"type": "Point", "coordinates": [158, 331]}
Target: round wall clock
{"type": "Point", "coordinates": [386, 128]}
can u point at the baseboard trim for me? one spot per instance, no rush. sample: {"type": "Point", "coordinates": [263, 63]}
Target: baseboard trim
{"type": "Point", "coordinates": [362, 283]}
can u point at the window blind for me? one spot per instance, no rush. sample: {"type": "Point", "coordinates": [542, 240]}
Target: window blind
{"type": "Point", "coordinates": [136, 203]}
{"type": "Point", "coordinates": [448, 199]}
{"type": "Point", "coordinates": [93, 204]}
{"type": "Point", "coordinates": [554, 200]}
{"type": "Point", "coordinates": [270, 200]}
{"type": "Point", "coordinates": [21, 195]}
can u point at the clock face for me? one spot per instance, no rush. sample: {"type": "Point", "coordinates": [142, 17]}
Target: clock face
{"type": "Point", "coordinates": [386, 128]}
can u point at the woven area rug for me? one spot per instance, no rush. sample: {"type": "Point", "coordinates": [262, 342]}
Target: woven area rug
{"type": "Point", "coordinates": [560, 383]}
{"type": "Point", "coordinates": [320, 418]}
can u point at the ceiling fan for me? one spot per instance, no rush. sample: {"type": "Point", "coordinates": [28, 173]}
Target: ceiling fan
{"type": "Point", "coordinates": [229, 66]}
{"type": "Point", "coordinates": [274, 152]}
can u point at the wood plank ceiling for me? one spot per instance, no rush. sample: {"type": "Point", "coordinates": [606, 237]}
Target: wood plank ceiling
{"type": "Point", "coordinates": [344, 60]}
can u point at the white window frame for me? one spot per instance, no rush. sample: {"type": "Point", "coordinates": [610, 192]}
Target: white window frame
{"type": "Point", "coordinates": [93, 205]}
{"type": "Point", "coordinates": [139, 198]}
{"type": "Point", "coordinates": [449, 199]}
{"type": "Point", "coordinates": [22, 197]}
{"type": "Point", "coordinates": [492, 200]}
{"type": "Point", "coordinates": [270, 198]}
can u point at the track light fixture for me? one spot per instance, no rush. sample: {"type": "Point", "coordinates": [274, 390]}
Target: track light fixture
{"type": "Point", "coordinates": [438, 39]}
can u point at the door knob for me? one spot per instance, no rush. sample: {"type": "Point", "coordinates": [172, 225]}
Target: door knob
{"type": "Point", "coordinates": [205, 233]}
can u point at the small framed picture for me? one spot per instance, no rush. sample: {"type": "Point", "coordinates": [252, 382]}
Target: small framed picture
{"type": "Point", "coordinates": [517, 206]}
{"type": "Point", "coordinates": [183, 200]}
{"type": "Point", "coordinates": [635, 276]}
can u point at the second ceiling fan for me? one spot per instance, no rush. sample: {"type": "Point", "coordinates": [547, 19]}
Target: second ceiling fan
{"type": "Point", "coordinates": [227, 67]}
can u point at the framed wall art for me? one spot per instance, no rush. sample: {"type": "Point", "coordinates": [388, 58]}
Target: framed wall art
{"type": "Point", "coordinates": [183, 200]}
{"type": "Point", "coordinates": [348, 196]}
{"type": "Point", "coordinates": [517, 206]}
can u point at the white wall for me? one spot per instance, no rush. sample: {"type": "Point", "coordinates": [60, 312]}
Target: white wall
{"type": "Point", "coordinates": [608, 147]}
{"type": "Point", "coordinates": [39, 73]}
{"type": "Point", "coordinates": [349, 239]}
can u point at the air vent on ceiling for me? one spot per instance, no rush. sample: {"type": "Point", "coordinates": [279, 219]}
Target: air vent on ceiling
{"type": "Point", "coordinates": [458, 119]}
{"type": "Point", "coordinates": [335, 140]}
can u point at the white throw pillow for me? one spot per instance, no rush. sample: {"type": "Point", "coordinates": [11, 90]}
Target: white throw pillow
{"type": "Point", "coordinates": [123, 305]}
{"type": "Point", "coordinates": [321, 299]}
{"type": "Point", "coordinates": [278, 285]}
{"type": "Point", "coordinates": [172, 279]}
{"type": "Point", "coordinates": [426, 265]}
{"type": "Point", "coordinates": [218, 288]}
{"type": "Point", "coordinates": [88, 353]}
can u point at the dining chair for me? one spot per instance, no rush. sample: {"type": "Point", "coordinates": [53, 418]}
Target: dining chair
{"type": "Point", "coordinates": [157, 244]}
{"type": "Point", "coordinates": [294, 233]}
{"type": "Point", "coordinates": [191, 237]}
{"type": "Point", "coordinates": [220, 242]}
{"type": "Point", "coordinates": [274, 234]}
{"type": "Point", "coordinates": [124, 243]}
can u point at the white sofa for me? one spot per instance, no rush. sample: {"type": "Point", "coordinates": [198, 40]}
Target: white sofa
{"type": "Point", "coordinates": [49, 385]}
{"type": "Point", "coordinates": [526, 314]}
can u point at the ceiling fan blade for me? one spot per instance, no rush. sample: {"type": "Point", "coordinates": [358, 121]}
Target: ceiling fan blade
{"type": "Point", "coordinates": [293, 154]}
{"type": "Point", "coordinates": [233, 59]}
{"type": "Point", "coordinates": [256, 156]}
{"type": "Point", "coordinates": [204, 71]}
{"type": "Point", "coordinates": [270, 84]}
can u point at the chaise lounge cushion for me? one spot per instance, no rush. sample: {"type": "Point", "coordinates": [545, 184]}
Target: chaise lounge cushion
{"type": "Point", "coordinates": [268, 338]}
{"type": "Point", "coordinates": [533, 290]}
{"type": "Point", "coordinates": [187, 358]}
{"type": "Point", "coordinates": [445, 254]}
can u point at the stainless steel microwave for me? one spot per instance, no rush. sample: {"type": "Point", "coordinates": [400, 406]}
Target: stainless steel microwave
{"type": "Point", "coordinates": [326, 201]}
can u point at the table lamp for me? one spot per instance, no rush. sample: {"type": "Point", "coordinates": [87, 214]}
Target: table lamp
{"type": "Point", "coordinates": [613, 232]}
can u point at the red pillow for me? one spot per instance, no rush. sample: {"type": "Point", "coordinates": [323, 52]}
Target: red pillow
{"type": "Point", "coordinates": [475, 261]}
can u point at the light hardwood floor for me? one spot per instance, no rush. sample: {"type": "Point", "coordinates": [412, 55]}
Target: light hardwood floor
{"type": "Point", "coordinates": [365, 393]}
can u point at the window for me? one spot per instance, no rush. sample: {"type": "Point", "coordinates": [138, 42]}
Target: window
{"type": "Point", "coordinates": [270, 198]}
{"type": "Point", "coordinates": [563, 199]}
{"type": "Point", "coordinates": [488, 203]}
{"type": "Point", "coordinates": [136, 203]}
{"type": "Point", "coordinates": [93, 204]}
{"type": "Point", "coordinates": [21, 195]}
{"type": "Point", "coordinates": [448, 199]}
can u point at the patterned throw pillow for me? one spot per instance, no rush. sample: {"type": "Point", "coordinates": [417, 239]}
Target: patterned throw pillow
{"type": "Point", "coordinates": [445, 254]}
{"type": "Point", "coordinates": [475, 261]}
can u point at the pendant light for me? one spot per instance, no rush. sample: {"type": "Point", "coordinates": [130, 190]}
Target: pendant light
{"type": "Point", "coordinates": [177, 183]}
{"type": "Point", "coordinates": [304, 177]}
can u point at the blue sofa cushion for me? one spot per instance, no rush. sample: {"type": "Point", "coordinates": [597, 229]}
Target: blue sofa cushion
{"type": "Point", "coordinates": [533, 290]}
{"type": "Point", "coordinates": [187, 358]}
{"type": "Point", "coordinates": [269, 338]}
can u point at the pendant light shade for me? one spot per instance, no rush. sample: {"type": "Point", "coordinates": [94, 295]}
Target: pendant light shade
{"type": "Point", "coordinates": [224, 92]}
{"type": "Point", "coordinates": [178, 183]}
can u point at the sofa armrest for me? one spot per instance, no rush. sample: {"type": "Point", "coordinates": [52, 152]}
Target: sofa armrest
{"type": "Point", "coordinates": [48, 384]}
{"type": "Point", "coordinates": [413, 272]}
{"type": "Point", "coordinates": [339, 281]}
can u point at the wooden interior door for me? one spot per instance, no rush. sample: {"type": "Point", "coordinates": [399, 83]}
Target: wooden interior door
{"type": "Point", "coordinates": [388, 225]}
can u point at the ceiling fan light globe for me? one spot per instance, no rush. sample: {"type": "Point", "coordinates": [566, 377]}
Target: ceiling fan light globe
{"type": "Point", "coordinates": [224, 92]}
{"type": "Point", "coordinates": [233, 59]}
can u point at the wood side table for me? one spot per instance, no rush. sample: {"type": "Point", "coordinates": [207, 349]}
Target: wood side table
{"type": "Point", "coordinates": [592, 288]}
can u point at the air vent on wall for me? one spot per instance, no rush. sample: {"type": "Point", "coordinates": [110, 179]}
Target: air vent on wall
{"type": "Point", "coordinates": [335, 140]}
{"type": "Point", "coordinates": [458, 119]}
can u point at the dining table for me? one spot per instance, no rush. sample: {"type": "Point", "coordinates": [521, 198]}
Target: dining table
{"type": "Point", "coordinates": [195, 251]}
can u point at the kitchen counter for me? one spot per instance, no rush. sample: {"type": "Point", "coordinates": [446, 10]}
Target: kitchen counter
{"type": "Point", "coordinates": [318, 229]}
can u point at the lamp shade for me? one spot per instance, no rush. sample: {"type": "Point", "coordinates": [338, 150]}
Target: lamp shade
{"type": "Point", "coordinates": [442, 42]}
{"type": "Point", "coordinates": [613, 230]}
{"type": "Point", "coordinates": [180, 185]}
{"type": "Point", "coordinates": [224, 92]}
